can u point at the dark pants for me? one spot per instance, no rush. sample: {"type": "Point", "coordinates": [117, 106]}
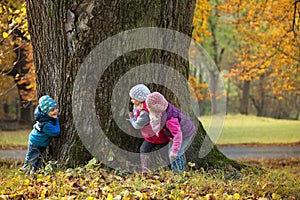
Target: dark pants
{"type": "Point", "coordinates": [34, 156]}
{"type": "Point", "coordinates": [147, 147]}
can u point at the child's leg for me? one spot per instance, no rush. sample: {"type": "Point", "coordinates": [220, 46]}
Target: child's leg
{"type": "Point", "coordinates": [27, 158]}
{"type": "Point", "coordinates": [177, 164]}
{"type": "Point", "coordinates": [144, 149]}
{"type": "Point", "coordinates": [40, 158]}
{"type": "Point", "coordinates": [33, 156]}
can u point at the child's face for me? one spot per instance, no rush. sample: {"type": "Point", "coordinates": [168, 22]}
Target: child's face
{"type": "Point", "coordinates": [53, 113]}
{"type": "Point", "coordinates": [135, 102]}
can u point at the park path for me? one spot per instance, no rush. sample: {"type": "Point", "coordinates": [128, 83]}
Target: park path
{"type": "Point", "coordinates": [233, 152]}
{"type": "Point", "coordinates": [261, 152]}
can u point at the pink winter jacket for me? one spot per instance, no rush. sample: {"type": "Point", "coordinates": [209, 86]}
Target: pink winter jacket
{"type": "Point", "coordinates": [147, 132]}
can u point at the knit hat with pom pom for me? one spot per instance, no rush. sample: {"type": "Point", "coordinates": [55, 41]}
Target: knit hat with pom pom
{"type": "Point", "coordinates": [47, 104]}
{"type": "Point", "coordinates": [157, 102]}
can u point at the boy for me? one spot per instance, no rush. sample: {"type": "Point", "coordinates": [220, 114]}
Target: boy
{"type": "Point", "coordinates": [46, 127]}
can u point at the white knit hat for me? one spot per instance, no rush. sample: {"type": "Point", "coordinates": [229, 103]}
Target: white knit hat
{"type": "Point", "coordinates": [139, 92]}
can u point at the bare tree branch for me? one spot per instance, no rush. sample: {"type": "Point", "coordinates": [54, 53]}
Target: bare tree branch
{"type": "Point", "coordinates": [295, 16]}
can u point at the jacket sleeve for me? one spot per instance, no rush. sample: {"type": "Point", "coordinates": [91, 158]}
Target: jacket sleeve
{"type": "Point", "coordinates": [142, 120]}
{"type": "Point", "coordinates": [52, 128]}
{"type": "Point", "coordinates": [174, 127]}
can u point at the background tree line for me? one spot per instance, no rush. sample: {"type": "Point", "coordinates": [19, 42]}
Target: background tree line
{"type": "Point", "coordinates": [254, 43]}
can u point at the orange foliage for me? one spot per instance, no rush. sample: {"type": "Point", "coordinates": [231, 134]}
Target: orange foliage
{"type": "Point", "coordinates": [13, 38]}
{"type": "Point", "coordinates": [200, 20]}
{"type": "Point", "coordinates": [198, 89]}
{"type": "Point", "coordinates": [201, 30]}
{"type": "Point", "coordinates": [269, 42]}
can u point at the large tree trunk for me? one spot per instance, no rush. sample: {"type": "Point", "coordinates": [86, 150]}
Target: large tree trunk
{"type": "Point", "coordinates": [65, 33]}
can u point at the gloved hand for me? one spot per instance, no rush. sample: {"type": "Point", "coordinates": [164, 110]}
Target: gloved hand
{"type": "Point", "coordinates": [172, 155]}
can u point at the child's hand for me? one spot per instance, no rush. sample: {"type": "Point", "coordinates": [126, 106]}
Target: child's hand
{"type": "Point", "coordinates": [172, 155]}
{"type": "Point", "coordinates": [130, 114]}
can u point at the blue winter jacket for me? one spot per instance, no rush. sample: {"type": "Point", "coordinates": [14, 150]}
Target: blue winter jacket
{"type": "Point", "coordinates": [47, 129]}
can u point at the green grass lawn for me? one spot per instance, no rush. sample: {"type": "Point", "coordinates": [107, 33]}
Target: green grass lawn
{"type": "Point", "coordinates": [239, 129]}
{"type": "Point", "coordinates": [14, 138]}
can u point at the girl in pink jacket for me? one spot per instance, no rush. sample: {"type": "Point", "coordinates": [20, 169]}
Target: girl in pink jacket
{"type": "Point", "coordinates": [165, 116]}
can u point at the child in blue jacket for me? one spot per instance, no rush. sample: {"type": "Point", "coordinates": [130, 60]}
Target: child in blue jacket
{"type": "Point", "coordinates": [46, 127]}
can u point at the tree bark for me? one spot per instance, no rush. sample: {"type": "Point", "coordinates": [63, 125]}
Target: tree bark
{"type": "Point", "coordinates": [259, 103]}
{"type": "Point", "coordinates": [245, 98]}
{"type": "Point", "coordinates": [64, 33]}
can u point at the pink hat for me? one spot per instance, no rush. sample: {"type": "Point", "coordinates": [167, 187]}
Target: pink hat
{"type": "Point", "coordinates": [157, 102]}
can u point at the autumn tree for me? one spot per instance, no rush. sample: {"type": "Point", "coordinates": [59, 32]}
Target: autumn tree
{"type": "Point", "coordinates": [268, 54]}
{"type": "Point", "coordinates": [65, 33]}
{"type": "Point", "coordinates": [16, 61]}
{"type": "Point", "coordinates": [214, 33]}
{"type": "Point", "coordinates": [200, 32]}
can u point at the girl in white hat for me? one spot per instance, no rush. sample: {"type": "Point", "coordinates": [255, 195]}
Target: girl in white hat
{"type": "Point", "coordinates": [140, 119]}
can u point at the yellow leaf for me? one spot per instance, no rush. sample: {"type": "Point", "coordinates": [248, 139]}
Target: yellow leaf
{"type": "Point", "coordinates": [44, 192]}
{"type": "Point", "coordinates": [106, 188]}
{"type": "Point", "coordinates": [26, 182]}
{"type": "Point", "coordinates": [19, 20]}
{"type": "Point", "coordinates": [39, 180]}
{"type": "Point", "coordinates": [236, 196]}
{"type": "Point", "coordinates": [28, 87]}
{"type": "Point", "coordinates": [54, 184]}
{"type": "Point", "coordinates": [48, 177]}
{"type": "Point", "coordinates": [27, 36]}
{"type": "Point", "coordinates": [109, 197]}
{"type": "Point", "coordinates": [137, 193]}
{"type": "Point", "coordinates": [17, 11]}
{"type": "Point", "coordinates": [276, 196]}
{"type": "Point", "coordinates": [110, 156]}
{"type": "Point", "coordinates": [5, 35]}
{"type": "Point", "coordinates": [23, 9]}
{"type": "Point", "coordinates": [229, 197]}
{"type": "Point", "coordinates": [40, 176]}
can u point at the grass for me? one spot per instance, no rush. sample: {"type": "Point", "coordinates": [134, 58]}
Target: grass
{"type": "Point", "coordinates": [14, 138]}
{"type": "Point", "coordinates": [237, 129]}
{"type": "Point", "coordinates": [272, 180]}
{"type": "Point", "coordinates": [240, 129]}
